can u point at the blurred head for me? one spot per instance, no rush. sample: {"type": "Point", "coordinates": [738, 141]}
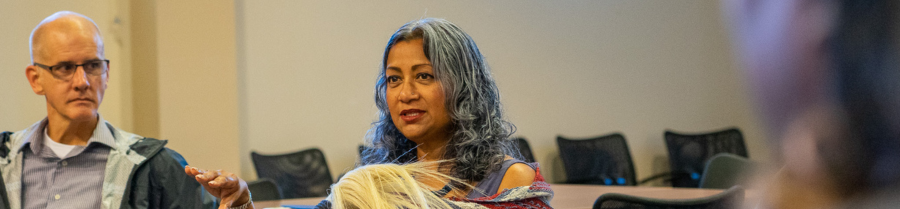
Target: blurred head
{"type": "Point", "coordinates": [68, 66]}
{"type": "Point", "coordinates": [431, 69]}
{"type": "Point", "coordinates": [782, 44]}
{"type": "Point", "coordinates": [824, 74]}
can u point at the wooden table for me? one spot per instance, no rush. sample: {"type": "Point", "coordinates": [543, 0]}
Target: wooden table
{"type": "Point", "coordinates": [583, 196]}
{"type": "Point", "coordinates": [567, 195]}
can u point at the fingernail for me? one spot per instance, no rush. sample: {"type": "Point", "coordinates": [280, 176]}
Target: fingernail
{"type": "Point", "coordinates": [199, 176]}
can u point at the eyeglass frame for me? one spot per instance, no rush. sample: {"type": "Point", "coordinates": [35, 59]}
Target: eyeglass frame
{"type": "Point", "coordinates": [82, 65]}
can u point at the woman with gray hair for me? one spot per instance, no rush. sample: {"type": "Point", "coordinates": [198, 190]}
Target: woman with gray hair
{"type": "Point", "coordinates": [438, 103]}
{"type": "Point", "coordinates": [440, 141]}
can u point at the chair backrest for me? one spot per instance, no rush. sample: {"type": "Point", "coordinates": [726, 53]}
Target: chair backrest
{"type": "Point", "coordinates": [361, 148]}
{"type": "Point", "coordinates": [688, 153]}
{"type": "Point", "coordinates": [725, 170]}
{"type": "Point", "coordinates": [731, 198]}
{"type": "Point", "coordinates": [525, 150]}
{"type": "Point", "coordinates": [264, 189]}
{"type": "Point", "coordinates": [603, 160]}
{"type": "Point", "coordinates": [299, 174]}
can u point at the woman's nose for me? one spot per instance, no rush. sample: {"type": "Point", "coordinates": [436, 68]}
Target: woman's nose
{"type": "Point", "coordinates": [408, 92]}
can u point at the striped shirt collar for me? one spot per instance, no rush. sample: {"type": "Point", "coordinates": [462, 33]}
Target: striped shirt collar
{"type": "Point", "coordinates": [102, 135]}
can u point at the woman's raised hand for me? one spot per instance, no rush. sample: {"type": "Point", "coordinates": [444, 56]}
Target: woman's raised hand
{"type": "Point", "coordinates": [231, 190]}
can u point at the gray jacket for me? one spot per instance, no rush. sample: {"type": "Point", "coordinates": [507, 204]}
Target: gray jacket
{"type": "Point", "coordinates": [140, 173]}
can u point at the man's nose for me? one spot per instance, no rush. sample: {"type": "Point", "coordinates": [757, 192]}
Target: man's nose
{"type": "Point", "coordinates": [80, 79]}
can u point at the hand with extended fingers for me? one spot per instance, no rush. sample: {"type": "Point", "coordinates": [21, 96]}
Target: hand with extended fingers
{"type": "Point", "coordinates": [231, 190]}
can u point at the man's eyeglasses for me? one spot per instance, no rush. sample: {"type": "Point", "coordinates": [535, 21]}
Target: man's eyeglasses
{"type": "Point", "coordinates": [65, 71]}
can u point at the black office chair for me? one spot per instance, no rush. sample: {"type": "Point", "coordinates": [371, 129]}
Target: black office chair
{"type": "Point", "coordinates": [264, 189]}
{"type": "Point", "coordinates": [725, 170]}
{"type": "Point", "coordinates": [299, 174]}
{"type": "Point", "coordinates": [525, 150]}
{"type": "Point", "coordinates": [603, 160]}
{"type": "Point", "coordinates": [688, 153]}
{"type": "Point", "coordinates": [360, 149]}
{"type": "Point", "coordinates": [731, 198]}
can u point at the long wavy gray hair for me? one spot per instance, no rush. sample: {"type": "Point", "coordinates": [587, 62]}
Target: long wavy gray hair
{"type": "Point", "coordinates": [480, 138]}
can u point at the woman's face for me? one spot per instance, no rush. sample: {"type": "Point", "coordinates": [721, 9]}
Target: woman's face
{"type": "Point", "coordinates": [414, 97]}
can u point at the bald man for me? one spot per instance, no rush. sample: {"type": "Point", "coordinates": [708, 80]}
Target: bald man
{"type": "Point", "coordinates": [73, 158]}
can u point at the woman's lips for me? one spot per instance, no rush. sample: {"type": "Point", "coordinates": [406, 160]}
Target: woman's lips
{"type": "Point", "coordinates": [411, 115]}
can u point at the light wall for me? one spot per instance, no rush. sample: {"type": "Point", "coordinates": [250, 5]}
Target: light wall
{"type": "Point", "coordinates": [573, 68]}
{"type": "Point", "coordinates": [196, 80]}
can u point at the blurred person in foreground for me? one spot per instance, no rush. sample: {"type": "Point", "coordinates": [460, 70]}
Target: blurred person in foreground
{"type": "Point", "coordinates": [73, 158]}
{"type": "Point", "coordinates": [441, 140]}
{"type": "Point", "coordinates": [826, 76]}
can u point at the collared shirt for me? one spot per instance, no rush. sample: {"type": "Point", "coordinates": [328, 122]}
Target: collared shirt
{"type": "Point", "coordinates": [60, 149]}
{"type": "Point", "coordinates": [74, 181]}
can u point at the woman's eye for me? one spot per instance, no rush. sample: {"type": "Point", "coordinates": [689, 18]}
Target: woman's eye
{"type": "Point", "coordinates": [393, 79]}
{"type": "Point", "coordinates": [424, 76]}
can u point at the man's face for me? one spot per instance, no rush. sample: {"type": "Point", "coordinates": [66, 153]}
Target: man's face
{"type": "Point", "coordinates": [76, 97]}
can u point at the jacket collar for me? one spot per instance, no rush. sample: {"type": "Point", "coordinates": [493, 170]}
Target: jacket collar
{"type": "Point", "coordinates": [124, 142]}
{"type": "Point", "coordinates": [102, 134]}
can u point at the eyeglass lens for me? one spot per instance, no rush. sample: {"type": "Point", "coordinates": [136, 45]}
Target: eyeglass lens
{"type": "Point", "coordinates": [96, 67]}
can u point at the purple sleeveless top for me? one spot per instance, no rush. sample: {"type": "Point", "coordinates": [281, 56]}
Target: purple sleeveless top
{"type": "Point", "coordinates": [490, 184]}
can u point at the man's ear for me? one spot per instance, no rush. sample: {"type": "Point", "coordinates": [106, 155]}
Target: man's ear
{"type": "Point", "coordinates": [34, 78]}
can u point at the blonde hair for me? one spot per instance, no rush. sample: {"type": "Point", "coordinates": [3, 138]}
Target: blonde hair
{"type": "Point", "coordinates": [390, 186]}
